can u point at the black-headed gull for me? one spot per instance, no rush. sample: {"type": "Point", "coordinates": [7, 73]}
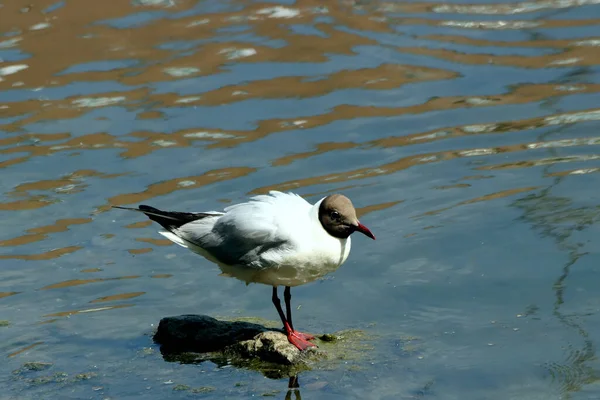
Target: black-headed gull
{"type": "Point", "coordinates": [278, 239]}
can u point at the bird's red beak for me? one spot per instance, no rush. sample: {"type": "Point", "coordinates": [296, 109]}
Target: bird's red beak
{"type": "Point", "coordinates": [365, 231]}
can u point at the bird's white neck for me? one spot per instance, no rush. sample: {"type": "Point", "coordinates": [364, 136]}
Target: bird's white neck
{"type": "Point", "coordinates": [314, 212]}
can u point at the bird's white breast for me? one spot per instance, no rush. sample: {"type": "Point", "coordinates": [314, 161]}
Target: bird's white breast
{"type": "Point", "coordinates": [314, 254]}
{"type": "Point", "coordinates": [299, 267]}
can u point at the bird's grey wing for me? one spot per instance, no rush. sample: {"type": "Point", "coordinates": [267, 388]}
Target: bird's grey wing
{"type": "Point", "coordinates": [241, 236]}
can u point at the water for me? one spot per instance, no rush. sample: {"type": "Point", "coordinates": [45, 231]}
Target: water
{"type": "Point", "coordinates": [467, 133]}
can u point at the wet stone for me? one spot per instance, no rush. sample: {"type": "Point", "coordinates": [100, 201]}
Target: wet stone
{"type": "Point", "coordinates": [197, 338]}
{"type": "Point", "coordinates": [202, 334]}
{"type": "Point", "coordinates": [268, 346]}
{"type": "Point", "coordinates": [255, 344]}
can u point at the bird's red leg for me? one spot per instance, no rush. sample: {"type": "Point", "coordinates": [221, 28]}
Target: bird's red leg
{"type": "Point", "coordinates": [296, 338]}
{"type": "Point", "coordinates": [287, 296]}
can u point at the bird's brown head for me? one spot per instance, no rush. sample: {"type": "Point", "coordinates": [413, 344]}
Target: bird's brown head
{"type": "Point", "coordinates": [338, 217]}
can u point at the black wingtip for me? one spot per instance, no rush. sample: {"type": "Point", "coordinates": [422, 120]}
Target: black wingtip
{"type": "Point", "coordinates": [125, 208]}
{"type": "Point", "coordinates": [141, 208]}
{"type": "Point", "coordinates": [167, 219]}
{"type": "Point", "coordinates": [144, 207]}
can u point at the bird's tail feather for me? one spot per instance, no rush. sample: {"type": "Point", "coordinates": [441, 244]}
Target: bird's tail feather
{"type": "Point", "coordinates": [148, 211]}
{"type": "Point", "coordinates": [167, 219]}
{"type": "Point", "coordinates": [174, 238]}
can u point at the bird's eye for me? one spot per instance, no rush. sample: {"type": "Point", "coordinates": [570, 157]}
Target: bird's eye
{"type": "Point", "coordinates": [335, 215]}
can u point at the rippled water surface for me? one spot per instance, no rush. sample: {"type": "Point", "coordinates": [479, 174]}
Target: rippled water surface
{"type": "Point", "coordinates": [466, 132]}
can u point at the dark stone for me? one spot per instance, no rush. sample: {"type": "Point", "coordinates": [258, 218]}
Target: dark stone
{"type": "Point", "coordinates": [202, 334]}
{"type": "Point", "coordinates": [194, 339]}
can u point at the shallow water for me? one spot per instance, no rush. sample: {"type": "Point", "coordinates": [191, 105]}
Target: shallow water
{"type": "Point", "coordinates": [466, 132]}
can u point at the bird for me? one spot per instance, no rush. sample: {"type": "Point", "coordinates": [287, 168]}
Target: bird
{"type": "Point", "coordinates": [275, 239]}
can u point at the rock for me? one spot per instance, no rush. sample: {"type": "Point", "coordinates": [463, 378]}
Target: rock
{"type": "Point", "coordinates": [202, 334]}
{"type": "Point", "coordinates": [268, 346]}
{"type": "Point", "coordinates": [196, 338]}
{"type": "Point", "coordinates": [199, 338]}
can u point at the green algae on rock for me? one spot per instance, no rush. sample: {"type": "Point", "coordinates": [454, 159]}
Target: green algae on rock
{"type": "Point", "coordinates": [33, 366]}
{"type": "Point", "coordinates": [186, 388]}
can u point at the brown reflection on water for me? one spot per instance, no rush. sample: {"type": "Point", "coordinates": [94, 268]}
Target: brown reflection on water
{"type": "Point", "coordinates": [87, 310]}
{"type": "Point", "coordinates": [48, 255]}
{"type": "Point", "coordinates": [91, 270]}
{"type": "Point", "coordinates": [77, 24]}
{"type": "Point", "coordinates": [117, 297]}
{"type": "Point", "coordinates": [155, 141]}
{"type": "Point", "coordinates": [383, 77]}
{"type": "Point", "coordinates": [487, 197]}
{"type": "Point", "coordinates": [66, 184]}
{"type": "Point", "coordinates": [78, 282]}
{"type": "Point", "coordinates": [494, 128]}
{"type": "Point", "coordinates": [88, 40]}
{"type": "Point", "coordinates": [498, 25]}
{"type": "Point", "coordinates": [425, 158]}
{"type": "Point", "coordinates": [321, 149]}
{"type": "Point", "coordinates": [579, 171]}
{"type": "Point", "coordinates": [172, 185]}
{"type": "Point", "coordinates": [520, 95]}
{"type": "Point", "coordinates": [75, 37]}
{"type": "Point", "coordinates": [68, 25]}
{"type": "Point", "coordinates": [155, 242]}
{"type": "Point", "coordinates": [6, 294]}
{"type": "Point", "coordinates": [541, 161]}
{"type": "Point", "coordinates": [24, 349]}
{"type": "Point", "coordinates": [30, 204]}
{"type": "Point", "coordinates": [139, 224]}
{"type": "Point", "coordinates": [161, 276]}
{"type": "Point", "coordinates": [376, 207]}
{"type": "Point", "coordinates": [455, 186]}
{"type": "Point", "coordinates": [475, 177]}
{"type": "Point", "coordinates": [143, 250]}
{"type": "Point", "coordinates": [538, 43]}
{"type": "Point", "coordinates": [579, 56]}
{"type": "Point", "coordinates": [522, 7]}
{"type": "Point", "coordinates": [339, 189]}
{"type": "Point", "coordinates": [41, 233]}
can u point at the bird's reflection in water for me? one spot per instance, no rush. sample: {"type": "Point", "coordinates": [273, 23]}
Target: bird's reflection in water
{"type": "Point", "coordinates": [293, 387]}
